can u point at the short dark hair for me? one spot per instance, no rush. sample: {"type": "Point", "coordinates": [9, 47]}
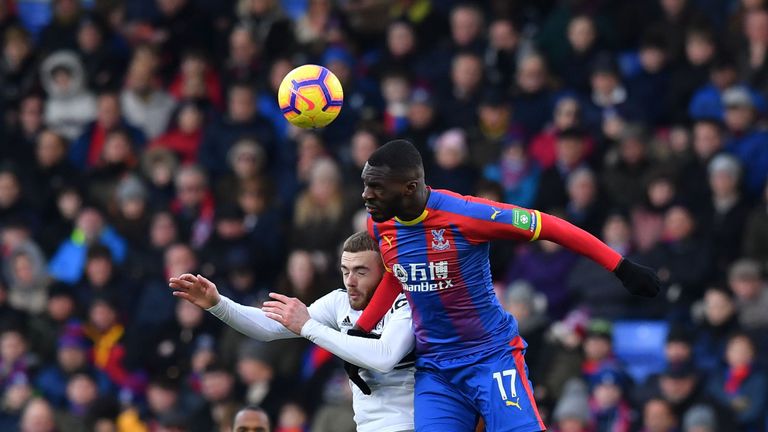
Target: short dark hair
{"type": "Point", "coordinates": [99, 251]}
{"type": "Point", "coordinates": [360, 242]}
{"type": "Point", "coordinates": [400, 156]}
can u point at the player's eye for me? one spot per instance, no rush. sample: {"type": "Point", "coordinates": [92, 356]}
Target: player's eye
{"type": "Point", "coordinates": [362, 273]}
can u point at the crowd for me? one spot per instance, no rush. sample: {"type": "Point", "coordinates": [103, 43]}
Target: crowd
{"type": "Point", "coordinates": [142, 139]}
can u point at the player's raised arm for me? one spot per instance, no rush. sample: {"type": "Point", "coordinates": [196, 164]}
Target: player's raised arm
{"type": "Point", "coordinates": [484, 220]}
{"type": "Point", "coordinates": [249, 321]}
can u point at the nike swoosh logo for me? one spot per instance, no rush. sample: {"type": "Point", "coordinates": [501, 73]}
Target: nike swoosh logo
{"type": "Point", "coordinates": [310, 104]}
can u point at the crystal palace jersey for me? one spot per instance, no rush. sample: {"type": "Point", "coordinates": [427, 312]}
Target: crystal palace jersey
{"type": "Point", "coordinates": [441, 260]}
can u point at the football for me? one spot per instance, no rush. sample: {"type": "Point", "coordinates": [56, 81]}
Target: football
{"type": "Point", "coordinates": [310, 96]}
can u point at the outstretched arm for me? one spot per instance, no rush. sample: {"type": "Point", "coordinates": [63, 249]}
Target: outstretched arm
{"type": "Point", "coordinates": [377, 354]}
{"type": "Point", "coordinates": [249, 321]}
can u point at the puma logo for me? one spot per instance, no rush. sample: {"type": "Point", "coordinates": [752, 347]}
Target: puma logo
{"type": "Point", "coordinates": [514, 404]}
{"type": "Point", "coordinates": [310, 104]}
{"type": "Point", "coordinates": [495, 213]}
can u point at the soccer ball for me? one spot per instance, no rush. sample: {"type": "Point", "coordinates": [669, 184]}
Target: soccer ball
{"type": "Point", "coordinates": [310, 96]}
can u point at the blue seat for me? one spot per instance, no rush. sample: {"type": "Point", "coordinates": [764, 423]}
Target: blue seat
{"type": "Point", "coordinates": [640, 346]}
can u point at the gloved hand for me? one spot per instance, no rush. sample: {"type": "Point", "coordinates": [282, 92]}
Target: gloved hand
{"type": "Point", "coordinates": [638, 279]}
{"type": "Point", "coordinates": [353, 371]}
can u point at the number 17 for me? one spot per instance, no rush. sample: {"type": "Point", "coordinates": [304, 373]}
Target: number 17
{"type": "Point", "coordinates": [512, 373]}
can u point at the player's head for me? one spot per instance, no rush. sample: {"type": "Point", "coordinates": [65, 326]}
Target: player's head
{"type": "Point", "coordinates": [361, 268]}
{"type": "Point", "coordinates": [251, 419]}
{"type": "Point", "coordinates": [392, 179]}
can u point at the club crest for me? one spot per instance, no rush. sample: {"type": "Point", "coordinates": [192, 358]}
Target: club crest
{"type": "Point", "coordinates": [438, 242]}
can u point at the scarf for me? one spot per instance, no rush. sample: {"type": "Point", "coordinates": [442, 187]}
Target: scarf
{"type": "Point", "coordinates": [735, 377]}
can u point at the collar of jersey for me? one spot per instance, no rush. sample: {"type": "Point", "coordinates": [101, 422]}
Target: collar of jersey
{"type": "Point", "coordinates": [421, 217]}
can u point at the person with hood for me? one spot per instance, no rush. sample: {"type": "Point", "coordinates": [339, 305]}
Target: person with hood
{"type": "Point", "coordinates": [25, 270]}
{"type": "Point", "coordinates": [70, 106]}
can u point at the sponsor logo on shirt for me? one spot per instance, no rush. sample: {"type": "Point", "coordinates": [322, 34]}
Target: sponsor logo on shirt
{"type": "Point", "coordinates": [438, 242]}
{"type": "Point", "coordinates": [523, 219]}
{"type": "Point", "coordinates": [346, 322]}
{"type": "Point", "coordinates": [515, 403]}
{"type": "Point", "coordinates": [423, 277]}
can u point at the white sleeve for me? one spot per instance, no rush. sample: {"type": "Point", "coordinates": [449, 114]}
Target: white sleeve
{"type": "Point", "coordinates": [250, 321]}
{"type": "Point", "coordinates": [382, 354]}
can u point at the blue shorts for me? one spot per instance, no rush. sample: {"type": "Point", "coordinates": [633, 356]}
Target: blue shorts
{"type": "Point", "coordinates": [452, 394]}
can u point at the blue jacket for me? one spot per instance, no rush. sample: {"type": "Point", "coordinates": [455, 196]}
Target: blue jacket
{"type": "Point", "coordinates": [78, 152]}
{"type": "Point", "coordinates": [68, 262]}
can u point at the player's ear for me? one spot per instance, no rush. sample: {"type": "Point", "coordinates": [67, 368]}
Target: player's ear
{"type": "Point", "coordinates": [410, 187]}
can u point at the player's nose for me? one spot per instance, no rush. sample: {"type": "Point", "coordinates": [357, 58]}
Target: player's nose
{"type": "Point", "coordinates": [367, 195]}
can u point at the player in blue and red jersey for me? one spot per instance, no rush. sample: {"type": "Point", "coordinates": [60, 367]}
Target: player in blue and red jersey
{"type": "Point", "coordinates": [434, 244]}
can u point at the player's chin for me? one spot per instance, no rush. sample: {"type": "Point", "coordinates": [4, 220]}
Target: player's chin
{"type": "Point", "coordinates": [379, 216]}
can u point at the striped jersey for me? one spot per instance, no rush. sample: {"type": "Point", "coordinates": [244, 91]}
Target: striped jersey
{"type": "Point", "coordinates": [441, 260]}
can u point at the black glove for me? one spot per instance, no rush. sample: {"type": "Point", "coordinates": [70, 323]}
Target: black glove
{"type": "Point", "coordinates": [353, 371]}
{"type": "Point", "coordinates": [637, 279]}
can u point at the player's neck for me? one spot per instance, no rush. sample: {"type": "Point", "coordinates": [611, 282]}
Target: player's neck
{"type": "Point", "coordinates": [417, 206]}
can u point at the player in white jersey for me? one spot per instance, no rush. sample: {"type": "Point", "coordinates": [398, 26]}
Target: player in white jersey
{"type": "Point", "coordinates": [385, 355]}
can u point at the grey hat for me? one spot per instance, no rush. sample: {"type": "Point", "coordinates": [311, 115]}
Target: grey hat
{"type": "Point", "coordinates": [699, 416]}
{"type": "Point", "coordinates": [521, 291]}
{"type": "Point", "coordinates": [130, 188]}
{"type": "Point", "coordinates": [745, 269]}
{"type": "Point", "coordinates": [726, 163]}
{"type": "Point", "coordinates": [737, 97]}
{"type": "Point", "coordinates": [574, 403]}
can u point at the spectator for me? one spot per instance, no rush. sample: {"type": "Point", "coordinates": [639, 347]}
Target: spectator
{"type": "Point", "coordinates": [25, 271]}
{"type": "Point", "coordinates": [707, 101]}
{"type": "Point", "coordinates": [693, 71]}
{"type": "Point", "coordinates": [163, 399]}
{"type": "Point", "coordinates": [756, 232]}
{"type": "Point", "coordinates": [70, 106]}
{"type": "Point", "coordinates": [531, 94]}
{"type": "Point", "coordinates": [44, 329]}
{"type": "Point", "coordinates": [87, 149]}
{"type": "Point", "coordinates": [159, 167]}
{"type": "Point", "coordinates": [747, 141]}
{"type": "Point", "coordinates": [245, 61]}
{"type": "Point", "coordinates": [459, 107]}
{"type": "Point", "coordinates": [217, 390]}
{"type": "Point", "coordinates": [608, 406]}
{"type": "Point", "coordinates": [321, 217]}
{"type": "Point", "coordinates": [584, 207]}
{"type": "Point", "coordinates": [194, 204]}
{"type": "Point", "coordinates": [753, 62]}
{"type": "Point", "coordinates": [115, 163]}
{"type": "Point", "coordinates": [424, 123]}
{"type": "Point", "coordinates": [623, 176]}
{"type": "Point", "coordinates": [566, 115]}
{"type": "Point", "coordinates": [521, 300]}
{"type": "Point", "coordinates": [742, 386]}
{"type": "Point", "coordinates": [51, 170]}
{"type": "Point", "coordinates": [61, 221]}
{"type": "Point", "coordinates": [71, 360]}
{"type": "Point", "coordinates": [81, 395]}
{"type": "Point", "coordinates": [650, 83]}
{"type": "Point", "coordinates": [271, 30]}
{"type": "Point", "coordinates": [15, 359]}
{"type": "Point", "coordinates": [68, 263]}
{"type": "Point", "coordinates": [251, 417]}
{"type": "Point", "coordinates": [143, 104]}
{"type": "Point", "coordinates": [240, 121]}
{"type": "Point", "coordinates": [517, 174]}
{"type": "Point", "coordinates": [569, 157]}
{"type": "Point", "coordinates": [748, 284]}
{"type": "Point", "coordinates": [572, 412]}
{"type": "Point", "coordinates": [197, 80]}
{"type": "Point", "coordinates": [17, 65]}
{"type": "Point", "coordinates": [38, 416]}
{"type": "Point", "coordinates": [267, 103]}
{"type": "Point", "coordinates": [583, 48]}
{"type": "Point", "coordinates": [185, 133]}
{"type": "Point", "coordinates": [61, 32]}
{"type": "Point", "coordinates": [247, 161]}
{"type": "Point", "coordinates": [179, 26]}
{"type": "Point", "coordinates": [609, 102]}
{"type": "Point", "coordinates": [658, 417]}
{"type": "Point", "coordinates": [495, 126]}
{"type": "Point", "coordinates": [395, 90]}
{"type": "Point", "coordinates": [24, 132]}
{"type": "Point", "coordinates": [699, 418]}
{"type": "Point", "coordinates": [103, 66]}
{"type": "Point", "coordinates": [708, 142]}
{"type": "Point", "coordinates": [728, 210]}
{"type": "Point", "coordinates": [717, 324]}
{"type": "Point", "coordinates": [452, 169]}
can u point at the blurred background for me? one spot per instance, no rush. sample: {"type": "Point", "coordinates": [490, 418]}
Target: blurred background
{"type": "Point", "coordinates": [142, 139]}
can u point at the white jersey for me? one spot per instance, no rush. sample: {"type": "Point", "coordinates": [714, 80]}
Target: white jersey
{"type": "Point", "coordinates": [387, 359]}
